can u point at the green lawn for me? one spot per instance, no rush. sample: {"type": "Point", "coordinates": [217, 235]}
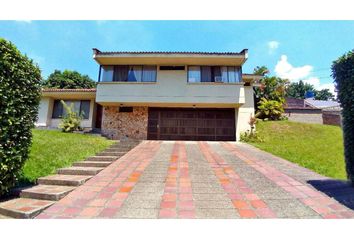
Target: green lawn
{"type": "Point", "coordinates": [53, 149]}
{"type": "Point", "coordinates": [314, 146]}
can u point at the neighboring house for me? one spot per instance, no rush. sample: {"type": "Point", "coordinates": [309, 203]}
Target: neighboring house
{"type": "Point", "coordinates": [167, 96]}
{"type": "Point", "coordinates": [311, 111]}
{"type": "Point", "coordinates": [51, 110]}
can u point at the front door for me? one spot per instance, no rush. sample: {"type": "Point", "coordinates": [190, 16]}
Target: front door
{"type": "Point", "coordinates": [98, 122]}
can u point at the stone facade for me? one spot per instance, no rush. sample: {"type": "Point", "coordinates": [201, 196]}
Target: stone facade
{"type": "Point", "coordinates": [125, 125]}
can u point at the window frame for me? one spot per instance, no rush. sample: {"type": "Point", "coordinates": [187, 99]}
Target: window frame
{"type": "Point", "coordinates": [73, 100]}
{"type": "Point", "coordinates": [128, 67]}
{"type": "Point", "coordinates": [239, 68]}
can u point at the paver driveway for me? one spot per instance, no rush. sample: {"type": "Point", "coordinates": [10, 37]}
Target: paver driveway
{"type": "Point", "coordinates": [167, 179]}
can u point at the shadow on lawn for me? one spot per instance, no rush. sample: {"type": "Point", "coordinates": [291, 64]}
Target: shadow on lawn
{"type": "Point", "coordinates": [340, 190]}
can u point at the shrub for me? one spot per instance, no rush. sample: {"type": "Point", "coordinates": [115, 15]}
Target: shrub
{"type": "Point", "coordinates": [343, 74]}
{"type": "Point", "coordinates": [270, 110]}
{"type": "Point", "coordinates": [71, 120]}
{"type": "Point", "coordinates": [20, 92]}
{"type": "Point", "coordinates": [251, 135]}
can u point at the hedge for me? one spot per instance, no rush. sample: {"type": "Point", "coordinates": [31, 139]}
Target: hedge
{"type": "Point", "coordinates": [20, 92]}
{"type": "Point", "coordinates": [343, 74]}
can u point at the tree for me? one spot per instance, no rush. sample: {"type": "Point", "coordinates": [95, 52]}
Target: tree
{"type": "Point", "coordinates": [263, 70]}
{"type": "Point", "coordinates": [324, 94]}
{"type": "Point", "coordinates": [343, 74]}
{"type": "Point", "coordinates": [272, 88]}
{"type": "Point", "coordinates": [68, 80]}
{"type": "Point", "coordinates": [20, 92]}
{"type": "Point", "coordinates": [270, 96]}
{"type": "Point", "coordinates": [299, 89]}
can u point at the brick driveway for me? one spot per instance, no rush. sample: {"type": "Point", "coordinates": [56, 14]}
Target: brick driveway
{"type": "Point", "coordinates": [166, 179]}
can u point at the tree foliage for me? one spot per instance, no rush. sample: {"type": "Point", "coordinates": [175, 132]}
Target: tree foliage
{"type": "Point", "coordinates": [324, 94]}
{"type": "Point", "coordinates": [272, 88]}
{"type": "Point", "coordinates": [298, 90]}
{"type": "Point", "coordinates": [20, 92]}
{"type": "Point", "coordinates": [270, 110]}
{"type": "Point", "coordinates": [270, 96]}
{"type": "Point", "coordinates": [343, 74]}
{"type": "Point", "coordinates": [68, 80]}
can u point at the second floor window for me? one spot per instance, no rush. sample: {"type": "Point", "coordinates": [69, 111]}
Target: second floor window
{"type": "Point", "coordinates": [128, 73]}
{"type": "Point", "coordinates": [230, 74]}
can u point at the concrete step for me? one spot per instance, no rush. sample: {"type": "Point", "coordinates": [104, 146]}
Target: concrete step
{"type": "Point", "coordinates": [23, 207]}
{"type": "Point", "coordinates": [47, 192]}
{"type": "Point", "coordinates": [63, 180]}
{"type": "Point", "coordinates": [118, 150]}
{"type": "Point", "coordinates": [117, 154]}
{"type": "Point", "coordinates": [80, 171]}
{"type": "Point", "coordinates": [123, 145]}
{"type": "Point", "coordinates": [114, 150]}
{"type": "Point", "coordinates": [92, 164]}
{"type": "Point", "coordinates": [102, 158]}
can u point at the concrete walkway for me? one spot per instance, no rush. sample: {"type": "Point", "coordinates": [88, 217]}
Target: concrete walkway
{"type": "Point", "coordinates": [200, 180]}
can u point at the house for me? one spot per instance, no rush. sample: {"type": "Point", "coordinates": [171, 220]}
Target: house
{"type": "Point", "coordinates": [310, 110]}
{"type": "Point", "coordinates": [163, 95]}
{"type": "Point", "coordinates": [51, 110]}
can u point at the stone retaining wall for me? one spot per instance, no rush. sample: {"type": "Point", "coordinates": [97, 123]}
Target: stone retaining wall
{"type": "Point", "coordinates": [332, 118]}
{"type": "Point", "coordinates": [304, 115]}
{"type": "Point", "coordinates": [125, 125]}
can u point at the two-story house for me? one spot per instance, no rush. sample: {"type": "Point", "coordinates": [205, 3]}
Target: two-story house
{"type": "Point", "coordinates": [164, 96]}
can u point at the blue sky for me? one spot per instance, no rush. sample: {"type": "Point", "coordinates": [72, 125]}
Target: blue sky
{"type": "Point", "coordinates": [290, 49]}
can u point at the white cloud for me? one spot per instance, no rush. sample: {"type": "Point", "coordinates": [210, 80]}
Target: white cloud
{"type": "Point", "coordinates": [284, 69]}
{"type": "Point", "coordinates": [272, 46]}
{"type": "Point", "coordinates": [315, 81]}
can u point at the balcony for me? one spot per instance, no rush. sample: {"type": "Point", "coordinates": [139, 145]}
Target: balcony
{"type": "Point", "coordinates": [171, 90]}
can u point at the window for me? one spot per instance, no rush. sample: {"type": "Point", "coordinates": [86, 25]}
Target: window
{"type": "Point", "coordinates": [125, 109]}
{"type": "Point", "coordinates": [107, 74]}
{"type": "Point", "coordinates": [226, 74]}
{"type": "Point", "coordinates": [82, 107]}
{"type": "Point", "coordinates": [164, 68]}
{"type": "Point", "coordinates": [149, 74]}
{"type": "Point", "coordinates": [135, 73]}
{"type": "Point", "coordinates": [128, 73]}
{"type": "Point", "coordinates": [194, 74]}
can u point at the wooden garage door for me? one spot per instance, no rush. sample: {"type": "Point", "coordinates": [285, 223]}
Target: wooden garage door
{"type": "Point", "coordinates": [191, 124]}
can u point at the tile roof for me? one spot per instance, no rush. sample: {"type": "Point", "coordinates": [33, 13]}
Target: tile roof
{"type": "Point", "coordinates": [322, 104]}
{"type": "Point", "coordinates": [69, 90]}
{"type": "Point", "coordinates": [98, 52]}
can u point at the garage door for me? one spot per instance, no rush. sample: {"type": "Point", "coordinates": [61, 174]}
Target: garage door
{"type": "Point", "coordinates": [191, 124]}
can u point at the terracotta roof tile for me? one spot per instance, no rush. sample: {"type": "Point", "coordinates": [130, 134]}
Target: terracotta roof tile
{"type": "Point", "coordinates": [98, 52]}
{"type": "Point", "coordinates": [69, 90]}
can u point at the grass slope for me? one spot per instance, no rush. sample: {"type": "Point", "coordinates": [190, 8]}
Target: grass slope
{"type": "Point", "coordinates": [314, 146]}
{"type": "Point", "coordinates": [53, 149]}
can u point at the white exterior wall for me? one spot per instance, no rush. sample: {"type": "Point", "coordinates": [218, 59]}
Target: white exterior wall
{"type": "Point", "coordinates": [244, 112]}
{"type": "Point", "coordinates": [43, 115]}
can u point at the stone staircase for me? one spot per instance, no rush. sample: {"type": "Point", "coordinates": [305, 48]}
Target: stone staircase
{"type": "Point", "coordinates": [52, 188]}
